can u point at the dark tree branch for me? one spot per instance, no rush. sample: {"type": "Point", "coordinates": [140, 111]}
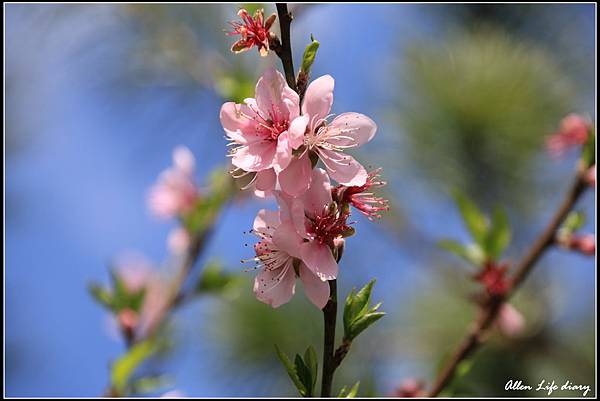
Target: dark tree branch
{"type": "Point", "coordinates": [489, 311]}
{"type": "Point", "coordinates": [329, 320]}
{"type": "Point", "coordinates": [284, 51]}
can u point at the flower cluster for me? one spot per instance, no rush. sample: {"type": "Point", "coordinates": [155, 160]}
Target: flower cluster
{"type": "Point", "coordinates": [279, 142]}
{"type": "Point", "coordinates": [175, 194]}
{"type": "Point", "coordinates": [254, 31]}
{"type": "Point", "coordinates": [138, 274]}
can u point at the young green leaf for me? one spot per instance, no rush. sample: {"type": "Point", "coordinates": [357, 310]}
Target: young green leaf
{"type": "Point", "coordinates": [304, 374]}
{"type": "Point", "coordinates": [291, 370]}
{"type": "Point", "coordinates": [125, 366]}
{"type": "Point", "coordinates": [574, 221]}
{"type": "Point", "coordinates": [357, 303]}
{"type": "Point", "coordinates": [101, 295]}
{"type": "Point", "coordinates": [345, 393]}
{"type": "Point", "coordinates": [310, 53]}
{"type": "Point", "coordinates": [359, 325]}
{"type": "Point", "coordinates": [149, 384]}
{"type": "Point", "coordinates": [310, 359]}
{"type": "Point", "coordinates": [474, 219]}
{"type": "Point", "coordinates": [499, 234]}
{"type": "Point", "coordinates": [588, 155]}
{"type": "Point", "coordinates": [213, 279]}
{"type": "Point", "coordinates": [357, 315]}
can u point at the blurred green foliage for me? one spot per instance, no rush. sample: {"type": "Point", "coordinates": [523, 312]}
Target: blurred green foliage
{"type": "Point", "coordinates": [476, 109]}
{"type": "Point", "coordinates": [490, 236]}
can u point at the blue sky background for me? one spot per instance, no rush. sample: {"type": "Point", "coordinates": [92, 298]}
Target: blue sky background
{"type": "Point", "coordinates": [86, 140]}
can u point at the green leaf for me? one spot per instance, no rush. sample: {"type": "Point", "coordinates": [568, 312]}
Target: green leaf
{"type": "Point", "coordinates": [588, 155]}
{"type": "Point", "coordinates": [474, 219]}
{"type": "Point", "coordinates": [310, 53]}
{"type": "Point", "coordinates": [221, 189]}
{"type": "Point", "coordinates": [213, 279]}
{"type": "Point", "coordinates": [463, 368]}
{"type": "Point", "coordinates": [311, 361]}
{"type": "Point", "coordinates": [357, 304]}
{"type": "Point", "coordinates": [499, 235]}
{"type": "Point", "coordinates": [136, 300]}
{"type": "Point", "coordinates": [149, 384]}
{"type": "Point", "coordinates": [574, 221]}
{"type": "Point", "coordinates": [304, 374]}
{"type": "Point", "coordinates": [101, 295]}
{"type": "Point", "coordinates": [125, 366]}
{"type": "Point", "coordinates": [345, 393]}
{"type": "Point", "coordinates": [456, 248]}
{"type": "Point", "coordinates": [357, 315]}
{"type": "Point", "coordinates": [362, 323]}
{"type": "Point", "coordinates": [291, 370]}
{"type": "Point", "coordinates": [120, 292]}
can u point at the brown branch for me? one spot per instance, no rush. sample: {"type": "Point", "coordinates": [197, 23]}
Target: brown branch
{"type": "Point", "coordinates": [488, 311]}
{"type": "Point", "coordinates": [284, 51]}
{"type": "Point", "coordinates": [329, 320]}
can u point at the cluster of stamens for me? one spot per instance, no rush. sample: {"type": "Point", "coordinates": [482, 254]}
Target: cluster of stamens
{"type": "Point", "coordinates": [329, 225]}
{"type": "Point", "coordinates": [362, 198]}
{"type": "Point", "coordinates": [254, 31]}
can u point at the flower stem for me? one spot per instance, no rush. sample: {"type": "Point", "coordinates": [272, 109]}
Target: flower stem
{"type": "Point", "coordinates": [329, 320]}
{"type": "Point", "coordinates": [285, 52]}
{"type": "Point", "coordinates": [489, 311]}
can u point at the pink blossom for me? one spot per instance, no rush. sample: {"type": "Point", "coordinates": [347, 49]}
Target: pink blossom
{"type": "Point", "coordinates": [263, 131]}
{"type": "Point", "coordinates": [584, 243]}
{"type": "Point", "coordinates": [410, 387]}
{"type": "Point", "coordinates": [254, 31]}
{"type": "Point", "coordinates": [328, 140]}
{"type": "Point", "coordinates": [318, 221]}
{"type": "Point", "coordinates": [138, 273]}
{"type": "Point", "coordinates": [362, 198]}
{"type": "Point", "coordinates": [573, 131]}
{"type": "Point", "coordinates": [178, 241]}
{"type": "Point", "coordinates": [590, 176]}
{"type": "Point", "coordinates": [277, 255]}
{"type": "Point", "coordinates": [175, 192]}
{"type": "Point", "coordinates": [510, 321]}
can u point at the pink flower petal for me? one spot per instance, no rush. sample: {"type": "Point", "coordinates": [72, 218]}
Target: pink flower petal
{"type": "Point", "coordinates": [292, 210]}
{"type": "Point", "coordinates": [360, 128]}
{"type": "Point", "coordinates": [287, 239]}
{"type": "Point", "coordinates": [510, 321]}
{"type": "Point", "coordinates": [274, 95]}
{"type": "Point", "coordinates": [343, 168]}
{"type": "Point", "coordinates": [295, 179]}
{"type": "Point", "coordinates": [237, 124]}
{"type": "Point", "coordinates": [184, 160]}
{"type": "Point", "coordinates": [318, 195]}
{"type": "Point", "coordinates": [283, 154]}
{"type": "Point", "coordinates": [265, 180]}
{"type": "Point", "coordinates": [255, 156]}
{"type": "Point", "coordinates": [266, 221]}
{"type": "Point", "coordinates": [297, 130]}
{"type": "Point", "coordinates": [316, 290]}
{"type": "Point", "coordinates": [319, 260]}
{"type": "Point", "coordinates": [276, 287]}
{"type": "Point", "coordinates": [318, 98]}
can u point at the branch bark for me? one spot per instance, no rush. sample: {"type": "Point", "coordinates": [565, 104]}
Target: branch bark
{"type": "Point", "coordinates": [489, 311]}
{"type": "Point", "coordinates": [285, 51]}
{"type": "Point", "coordinates": [329, 320]}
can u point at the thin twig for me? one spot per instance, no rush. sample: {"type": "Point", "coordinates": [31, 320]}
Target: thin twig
{"type": "Point", "coordinates": [285, 51]}
{"type": "Point", "coordinates": [489, 311]}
